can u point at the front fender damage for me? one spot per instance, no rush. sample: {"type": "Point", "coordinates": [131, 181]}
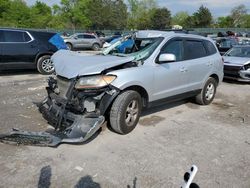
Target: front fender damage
{"type": "Point", "coordinates": [75, 116]}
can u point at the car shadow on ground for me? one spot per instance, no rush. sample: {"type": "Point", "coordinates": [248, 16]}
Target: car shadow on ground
{"type": "Point", "coordinates": [46, 174]}
{"type": "Point", "coordinates": [17, 72]}
{"type": "Point", "coordinates": [235, 82]}
{"type": "Point", "coordinates": [163, 106]}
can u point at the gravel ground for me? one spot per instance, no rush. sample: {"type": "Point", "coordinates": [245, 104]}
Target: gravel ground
{"type": "Point", "coordinates": [167, 141]}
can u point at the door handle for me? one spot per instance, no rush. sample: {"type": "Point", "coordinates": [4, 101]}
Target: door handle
{"type": "Point", "coordinates": [209, 64]}
{"type": "Point", "coordinates": [183, 69]}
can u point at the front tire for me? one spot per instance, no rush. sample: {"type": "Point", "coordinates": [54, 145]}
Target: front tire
{"type": "Point", "coordinates": [45, 65]}
{"type": "Point", "coordinates": [125, 112]}
{"type": "Point", "coordinates": [207, 93]}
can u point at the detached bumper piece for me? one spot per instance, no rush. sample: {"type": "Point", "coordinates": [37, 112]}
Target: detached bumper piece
{"type": "Point", "coordinates": [30, 138]}
{"type": "Point", "coordinates": [80, 131]}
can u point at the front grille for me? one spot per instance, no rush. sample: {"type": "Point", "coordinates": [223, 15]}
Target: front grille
{"type": "Point", "coordinates": [63, 85]}
{"type": "Point", "coordinates": [232, 71]}
{"type": "Point", "coordinates": [232, 67]}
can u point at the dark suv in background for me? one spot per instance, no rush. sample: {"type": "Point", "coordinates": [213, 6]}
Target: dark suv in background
{"type": "Point", "coordinates": [27, 49]}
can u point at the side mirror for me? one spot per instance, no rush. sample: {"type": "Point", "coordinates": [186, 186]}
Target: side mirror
{"type": "Point", "coordinates": [167, 58]}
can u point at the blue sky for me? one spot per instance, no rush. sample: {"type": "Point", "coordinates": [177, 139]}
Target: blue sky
{"type": "Point", "coordinates": [217, 7]}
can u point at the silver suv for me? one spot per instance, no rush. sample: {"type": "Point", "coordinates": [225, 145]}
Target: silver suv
{"type": "Point", "coordinates": [83, 40]}
{"type": "Point", "coordinates": [159, 67]}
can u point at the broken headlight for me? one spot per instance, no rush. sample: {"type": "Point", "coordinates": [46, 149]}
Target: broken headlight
{"type": "Point", "coordinates": [90, 82]}
{"type": "Point", "coordinates": [247, 66]}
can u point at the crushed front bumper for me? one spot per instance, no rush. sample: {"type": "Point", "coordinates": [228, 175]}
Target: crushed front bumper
{"type": "Point", "coordinates": [235, 72]}
{"type": "Point", "coordinates": [70, 126]}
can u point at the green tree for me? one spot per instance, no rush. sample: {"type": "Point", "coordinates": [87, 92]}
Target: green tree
{"type": "Point", "coordinates": [73, 12]}
{"type": "Point", "coordinates": [140, 12]}
{"type": "Point", "coordinates": [107, 14]}
{"type": "Point", "coordinates": [120, 14]}
{"type": "Point", "coordinates": [180, 18]}
{"type": "Point", "coordinates": [202, 18]}
{"type": "Point", "coordinates": [190, 22]}
{"type": "Point", "coordinates": [247, 21]}
{"type": "Point", "coordinates": [160, 18]}
{"type": "Point", "coordinates": [224, 22]}
{"type": "Point", "coordinates": [238, 14]}
{"type": "Point", "coordinates": [17, 14]}
{"type": "Point", "coordinates": [41, 15]}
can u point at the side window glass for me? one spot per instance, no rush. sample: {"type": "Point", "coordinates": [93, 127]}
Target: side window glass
{"type": "Point", "coordinates": [89, 37]}
{"type": "Point", "coordinates": [174, 47]}
{"type": "Point", "coordinates": [210, 48]}
{"type": "Point", "coordinates": [1, 36]}
{"type": "Point", "coordinates": [80, 36]}
{"type": "Point", "coordinates": [14, 36]}
{"type": "Point", "coordinates": [26, 37]}
{"type": "Point", "coordinates": [194, 49]}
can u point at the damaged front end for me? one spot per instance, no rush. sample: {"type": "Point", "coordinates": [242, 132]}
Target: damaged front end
{"type": "Point", "coordinates": [74, 107]}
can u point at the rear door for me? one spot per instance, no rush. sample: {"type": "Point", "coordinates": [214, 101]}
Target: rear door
{"type": "Point", "coordinates": [197, 61]}
{"type": "Point", "coordinates": [89, 40]}
{"type": "Point", "coordinates": [18, 48]}
{"type": "Point", "coordinates": [80, 41]}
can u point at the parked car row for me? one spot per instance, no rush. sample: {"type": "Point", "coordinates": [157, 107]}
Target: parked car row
{"type": "Point", "coordinates": [94, 41]}
{"type": "Point", "coordinates": [28, 49]}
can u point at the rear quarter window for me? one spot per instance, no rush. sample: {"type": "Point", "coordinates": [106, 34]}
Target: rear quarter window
{"type": "Point", "coordinates": [210, 47]}
{"type": "Point", "coordinates": [26, 37]}
{"type": "Point", "coordinates": [194, 49]}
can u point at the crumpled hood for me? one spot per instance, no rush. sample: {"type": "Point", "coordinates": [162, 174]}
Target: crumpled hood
{"type": "Point", "coordinates": [240, 61]}
{"type": "Point", "coordinates": [71, 64]}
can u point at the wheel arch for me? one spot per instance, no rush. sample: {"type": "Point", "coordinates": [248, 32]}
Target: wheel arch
{"type": "Point", "coordinates": [216, 77]}
{"type": "Point", "coordinates": [42, 54]}
{"type": "Point", "coordinates": [69, 43]}
{"type": "Point", "coordinates": [142, 91]}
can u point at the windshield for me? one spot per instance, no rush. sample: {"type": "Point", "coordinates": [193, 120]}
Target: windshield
{"type": "Point", "coordinates": [139, 48]}
{"type": "Point", "coordinates": [239, 52]}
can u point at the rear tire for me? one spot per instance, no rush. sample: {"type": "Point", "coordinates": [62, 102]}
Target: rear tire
{"type": "Point", "coordinates": [207, 94]}
{"type": "Point", "coordinates": [45, 65]}
{"type": "Point", "coordinates": [125, 112]}
{"type": "Point", "coordinates": [96, 47]}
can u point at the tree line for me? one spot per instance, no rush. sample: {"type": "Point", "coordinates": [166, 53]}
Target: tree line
{"type": "Point", "coordinates": [112, 15]}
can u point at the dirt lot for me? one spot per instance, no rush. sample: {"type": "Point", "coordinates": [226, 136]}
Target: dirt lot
{"type": "Point", "coordinates": [168, 140]}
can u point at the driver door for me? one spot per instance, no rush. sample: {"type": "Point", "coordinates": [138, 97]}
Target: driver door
{"type": "Point", "coordinates": [171, 77]}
